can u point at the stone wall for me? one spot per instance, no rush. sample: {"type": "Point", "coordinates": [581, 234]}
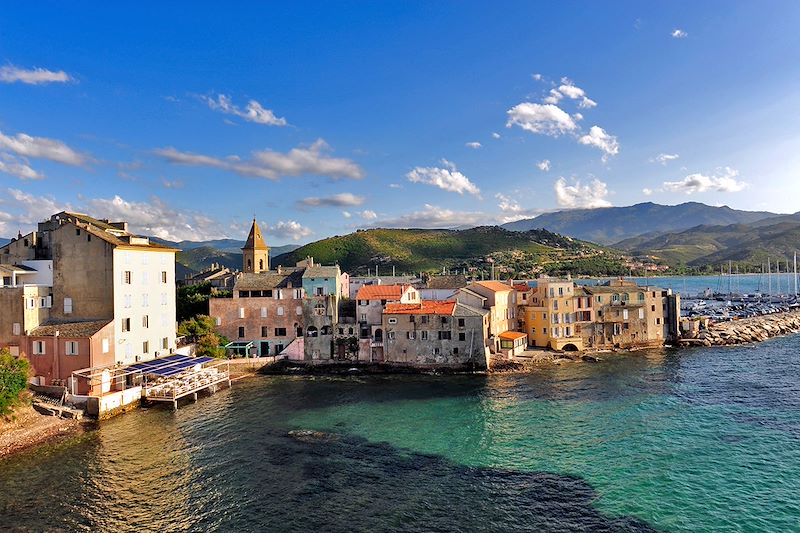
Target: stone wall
{"type": "Point", "coordinates": [747, 330]}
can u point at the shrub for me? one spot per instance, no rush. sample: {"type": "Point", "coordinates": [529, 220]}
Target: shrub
{"type": "Point", "coordinates": [14, 372]}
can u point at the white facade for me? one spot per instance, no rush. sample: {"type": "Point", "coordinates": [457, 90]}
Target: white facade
{"type": "Point", "coordinates": [144, 304]}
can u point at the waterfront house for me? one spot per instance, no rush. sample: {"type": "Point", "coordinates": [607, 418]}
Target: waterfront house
{"type": "Point", "coordinates": [370, 303]}
{"type": "Point", "coordinates": [500, 299]}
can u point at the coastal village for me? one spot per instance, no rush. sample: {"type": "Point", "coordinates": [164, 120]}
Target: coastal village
{"type": "Point", "coordinates": [93, 308]}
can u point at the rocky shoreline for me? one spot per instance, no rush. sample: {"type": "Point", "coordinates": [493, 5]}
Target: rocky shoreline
{"type": "Point", "coordinates": [745, 331]}
{"type": "Point", "coordinates": [29, 428]}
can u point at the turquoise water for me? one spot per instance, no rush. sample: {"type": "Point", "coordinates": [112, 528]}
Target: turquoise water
{"type": "Point", "coordinates": [694, 440]}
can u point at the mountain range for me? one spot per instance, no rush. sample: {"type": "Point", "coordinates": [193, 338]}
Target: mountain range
{"type": "Point", "coordinates": [609, 225]}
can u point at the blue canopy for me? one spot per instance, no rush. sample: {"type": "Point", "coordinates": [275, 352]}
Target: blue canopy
{"type": "Point", "coordinates": [169, 366]}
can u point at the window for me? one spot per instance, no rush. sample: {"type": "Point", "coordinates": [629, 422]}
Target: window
{"type": "Point", "coordinates": [423, 335]}
{"type": "Point", "coordinates": [445, 320]}
{"type": "Point", "coordinates": [263, 312]}
{"type": "Point", "coordinates": [163, 276]}
{"type": "Point", "coordinates": [145, 321]}
{"type": "Point", "coordinates": [425, 319]}
{"type": "Point", "coordinates": [279, 294]}
{"type": "Point", "coordinates": [436, 351]}
{"type": "Point", "coordinates": [16, 328]}
{"type": "Point", "coordinates": [544, 331]}
{"type": "Point", "coordinates": [461, 322]}
{"type": "Point", "coordinates": [145, 300]}
{"type": "Point", "coordinates": [219, 321]}
{"type": "Point", "coordinates": [126, 301]}
{"type": "Point", "coordinates": [145, 279]}
{"type": "Point", "coordinates": [625, 314]}
{"type": "Point", "coordinates": [653, 308]}
{"type": "Point", "coordinates": [462, 336]}
{"type": "Point", "coordinates": [658, 321]}
{"type": "Point", "coordinates": [268, 293]}
{"type": "Point", "coordinates": [126, 324]}
{"type": "Point", "coordinates": [67, 306]}
{"type": "Point", "coordinates": [641, 313]}
{"type": "Point", "coordinates": [261, 264]}
{"type": "Point", "coordinates": [319, 291]}
{"type": "Point", "coordinates": [410, 335]}
{"type": "Point", "coordinates": [363, 302]}
{"type": "Point", "coordinates": [280, 311]}
{"type": "Point", "coordinates": [165, 343]}
{"type": "Point", "coordinates": [241, 332]}
{"type": "Point", "coordinates": [298, 294]}
{"type": "Point", "coordinates": [38, 348]}
{"type": "Point", "coordinates": [241, 312]}
{"type": "Point", "coordinates": [390, 335]}
{"type": "Point", "coordinates": [363, 317]}
{"type": "Point", "coordinates": [105, 346]}
{"type": "Point", "coordinates": [146, 347]}
{"type": "Point", "coordinates": [163, 298]}
{"type": "Point", "coordinates": [280, 332]}
{"type": "Point", "coordinates": [77, 231]}
{"type": "Point", "coordinates": [265, 331]}
{"type": "Point", "coordinates": [392, 321]}
{"type": "Point", "coordinates": [544, 316]}
{"type": "Point", "coordinates": [444, 336]}
{"type": "Point", "coordinates": [71, 348]}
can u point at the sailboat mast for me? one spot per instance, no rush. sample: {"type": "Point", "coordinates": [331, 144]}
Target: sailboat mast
{"type": "Point", "coordinates": [795, 273]}
{"type": "Point", "coordinates": [769, 278]}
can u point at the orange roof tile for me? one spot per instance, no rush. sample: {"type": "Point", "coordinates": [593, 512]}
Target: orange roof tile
{"type": "Point", "coordinates": [427, 307]}
{"type": "Point", "coordinates": [495, 285]}
{"type": "Point", "coordinates": [521, 287]}
{"type": "Point", "coordinates": [381, 292]}
{"type": "Point", "coordinates": [513, 335]}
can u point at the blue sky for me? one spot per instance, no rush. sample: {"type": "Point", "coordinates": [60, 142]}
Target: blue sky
{"type": "Point", "coordinates": [320, 118]}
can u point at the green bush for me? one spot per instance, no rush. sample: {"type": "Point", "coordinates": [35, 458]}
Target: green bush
{"type": "Point", "coordinates": [200, 329]}
{"type": "Point", "coordinates": [14, 372]}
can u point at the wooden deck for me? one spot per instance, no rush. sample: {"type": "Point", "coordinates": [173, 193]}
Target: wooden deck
{"type": "Point", "coordinates": [189, 384]}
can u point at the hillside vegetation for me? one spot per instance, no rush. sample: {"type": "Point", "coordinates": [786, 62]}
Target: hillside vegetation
{"type": "Point", "coordinates": [748, 244]}
{"type": "Point", "coordinates": [415, 250]}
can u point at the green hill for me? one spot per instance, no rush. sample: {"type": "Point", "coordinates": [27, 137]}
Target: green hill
{"type": "Point", "coordinates": [415, 250]}
{"type": "Point", "coordinates": [751, 244]}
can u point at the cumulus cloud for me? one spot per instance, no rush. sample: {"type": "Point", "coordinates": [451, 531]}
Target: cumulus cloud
{"type": "Point", "coordinates": [723, 180]}
{"type": "Point", "coordinates": [577, 195]}
{"type": "Point", "coordinates": [254, 112]}
{"type": "Point", "coordinates": [664, 158]}
{"type": "Point", "coordinates": [511, 210]}
{"type": "Point", "coordinates": [395, 186]}
{"type": "Point", "coordinates": [288, 229]}
{"type": "Point", "coordinates": [33, 76]}
{"type": "Point", "coordinates": [31, 209]}
{"type": "Point", "coordinates": [347, 214]}
{"type": "Point", "coordinates": [599, 138]}
{"type": "Point", "coordinates": [18, 167]}
{"type": "Point", "coordinates": [495, 135]}
{"type": "Point", "coordinates": [544, 165]}
{"type": "Point", "coordinates": [344, 199]}
{"type": "Point", "coordinates": [448, 179]}
{"type": "Point", "coordinates": [647, 192]}
{"type": "Point", "coordinates": [474, 145]}
{"type": "Point", "coordinates": [537, 77]}
{"type": "Point", "coordinates": [432, 217]}
{"type": "Point", "coordinates": [26, 145]}
{"type": "Point", "coordinates": [546, 119]}
{"type": "Point", "coordinates": [678, 33]}
{"type": "Point", "coordinates": [569, 90]}
{"type": "Point", "coordinates": [312, 160]}
{"type": "Point", "coordinates": [368, 214]}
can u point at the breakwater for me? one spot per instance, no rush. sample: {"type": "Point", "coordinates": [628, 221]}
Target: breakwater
{"type": "Point", "coordinates": [746, 330]}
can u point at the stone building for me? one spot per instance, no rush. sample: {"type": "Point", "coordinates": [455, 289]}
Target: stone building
{"type": "Point", "coordinates": [86, 270]}
{"type": "Point", "coordinates": [500, 299]}
{"type": "Point", "coordinates": [618, 314]}
{"type": "Point", "coordinates": [435, 333]}
{"type": "Point", "coordinates": [219, 276]}
{"type": "Point", "coordinates": [370, 303]}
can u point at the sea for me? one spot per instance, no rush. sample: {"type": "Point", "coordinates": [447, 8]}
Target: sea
{"type": "Point", "coordinates": [701, 439]}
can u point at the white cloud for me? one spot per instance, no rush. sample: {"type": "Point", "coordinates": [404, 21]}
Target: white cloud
{"type": "Point", "coordinates": [156, 218]}
{"type": "Point", "coordinates": [511, 210]}
{"type": "Point", "coordinates": [172, 184]}
{"type": "Point", "coordinates": [546, 119]}
{"type": "Point", "coordinates": [647, 192]}
{"type": "Point", "coordinates": [569, 90]}
{"type": "Point", "coordinates": [586, 103]}
{"type": "Point", "coordinates": [395, 186]}
{"type": "Point", "coordinates": [495, 135]}
{"type": "Point", "coordinates": [368, 214]}
{"type": "Point", "coordinates": [723, 180]}
{"type": "Point", "coordinates": [289, 229]}
{"type": "Point", "coordinates": [34, 76]}
{"type": "Point", "coordinates": [18, 167]}
{"type": "Point", "coordinates": [577, 195]}
{"type": "Point", "coordinates": [25, 145]}
{"type": "Point", "coordinates": [544, 165]}
{"type": "Point", "coordinates": [599, 138]}
{"type": "Point", "coordinates": [448, 179]}
{"type": "Point", "coordinates": [474, 144]}
{"type": "Point", "coordinates": [344, 199]}
{"type": "Point", "coordinates": [271, 165]}
{"type": "Point", "coordinates": [33, 209]}
{"type": "Point", "coordinates": [431, 217]}
{"type": "Point", "coordinates": [254, 112]}
{"type": "Point", "coordinates": [347, 214]}
{"type": "Point", "coordinates": [537, 77]}
{"type": "Point", "coordinates": [679, 34]}
{"type": "Point", "coordinates": [664, 158]}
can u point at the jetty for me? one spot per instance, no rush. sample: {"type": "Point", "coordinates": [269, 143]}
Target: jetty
{"type": "Point", "coordinates": [743, 331]}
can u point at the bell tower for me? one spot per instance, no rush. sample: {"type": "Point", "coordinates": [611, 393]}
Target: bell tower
{"type": "Point", "coordinates": [255, 253]}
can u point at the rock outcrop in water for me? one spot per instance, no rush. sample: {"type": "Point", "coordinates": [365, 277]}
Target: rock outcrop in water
{"type": "Point", "coordinates": [746, 330]}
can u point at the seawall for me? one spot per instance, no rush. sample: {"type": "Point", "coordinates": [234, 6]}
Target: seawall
{"type": "Point", "coordinates": [746, 330]}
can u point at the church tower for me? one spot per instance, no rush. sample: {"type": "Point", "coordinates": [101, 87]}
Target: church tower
{"type": "Point", "coordinates": [255, 254]}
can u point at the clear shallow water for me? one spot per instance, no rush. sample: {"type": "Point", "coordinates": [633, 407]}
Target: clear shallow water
{"type": "Point", "coordinates": [696, 440]}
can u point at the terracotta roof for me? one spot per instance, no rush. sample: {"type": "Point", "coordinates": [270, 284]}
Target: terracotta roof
{"type": "Point", "coordinates": [119, 240]}
{"type": "Point", "coordinates": [522, 287]}
{"type": "Point", "coordinates": [513, 335]}
{"type": "Point", "coordinates": [427, 307]}
{"type": "Point", "coordinates": [381, 292]}
{"type": "Point", "coordinates": [254, 239]}
{"type": "Point", "coordinates": [496, 286]}
{"type": "Point", "coordinates": [72, 330]}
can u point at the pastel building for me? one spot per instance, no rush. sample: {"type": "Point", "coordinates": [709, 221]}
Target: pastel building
{"type": "Point", "coordinates": [500, 299]}
{"type": "Point", "coordinates": [370, 303]}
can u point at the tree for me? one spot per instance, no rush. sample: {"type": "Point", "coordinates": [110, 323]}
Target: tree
{"type": "Point", "coordinates": [200, 330]}
{"type": "Point", "coordinates": [14, 373]}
